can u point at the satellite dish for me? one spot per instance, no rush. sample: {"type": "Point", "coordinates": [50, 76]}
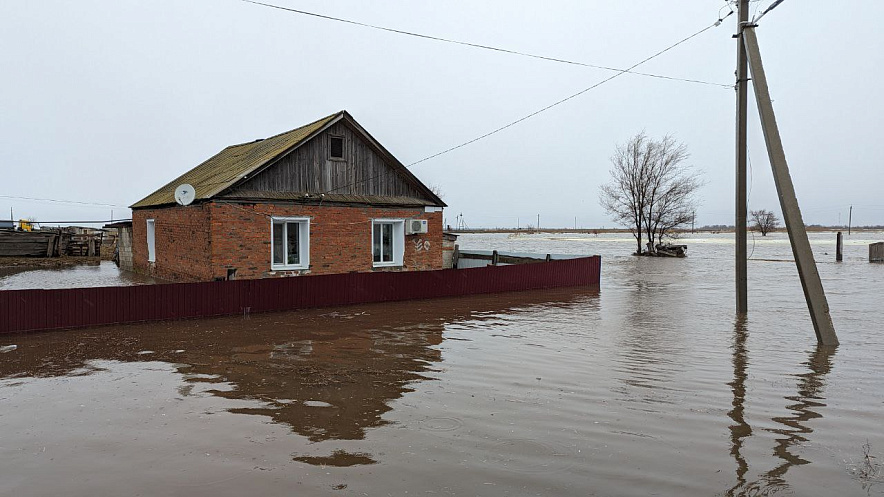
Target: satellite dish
{"type": "Point", "coordinates": [185, 194]}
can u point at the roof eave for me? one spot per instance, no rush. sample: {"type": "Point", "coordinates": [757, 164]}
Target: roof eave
{"type": "Point", "coordinates": [386, 153]}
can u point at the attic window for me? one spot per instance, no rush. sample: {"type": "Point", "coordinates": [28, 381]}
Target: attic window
{"type": "Point", "coordinates": [335, 147]}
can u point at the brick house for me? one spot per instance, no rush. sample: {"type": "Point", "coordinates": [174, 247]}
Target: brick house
{"type": "Point", "coordinates": [323, 198]}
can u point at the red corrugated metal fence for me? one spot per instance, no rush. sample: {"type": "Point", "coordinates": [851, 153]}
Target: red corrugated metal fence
{"type": "Point", "coordinates": [31, 310]}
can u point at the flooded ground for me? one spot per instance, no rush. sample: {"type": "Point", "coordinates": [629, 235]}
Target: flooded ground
{"type": "Point", "coordinates": [646, 386]}
{"type": "Point", "coordinates": [104, 274]}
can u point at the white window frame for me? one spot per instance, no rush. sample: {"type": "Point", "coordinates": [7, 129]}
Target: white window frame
{"type": "Point", "coordinates": [151, 240]}
{"type": "Point", "coordinates": [398, 242]}
{"type": "Point", "coordinates": [303, 224]}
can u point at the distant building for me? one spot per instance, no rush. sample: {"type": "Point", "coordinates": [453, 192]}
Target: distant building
{"type": "Point", "coordinates": [323, 198]}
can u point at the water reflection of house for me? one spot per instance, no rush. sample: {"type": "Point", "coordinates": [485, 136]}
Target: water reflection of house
{"type": "Point", "coordinates": [333, 386]}
{"type": "Point", "coordinates": [323, 198]}
{"type": "Point", "coordinates": [326, 376]}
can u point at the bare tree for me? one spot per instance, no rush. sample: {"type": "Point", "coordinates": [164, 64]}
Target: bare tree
{"type": "Point", "coordinates": [764, 221]}
{"type": "Point", "coordinates": [652, 190]}
{"type": "Point", "coordinates": [436, 189]}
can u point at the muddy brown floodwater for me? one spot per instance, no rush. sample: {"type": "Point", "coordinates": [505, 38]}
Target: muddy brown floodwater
{"type": "Point", "coordinates": [86, 275]}
{"type": "Point", "coordinates": [646, 386]}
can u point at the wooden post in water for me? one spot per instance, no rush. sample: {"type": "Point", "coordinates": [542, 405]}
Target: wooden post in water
{"type": "Point", "coordinates": [495, 258]}
{"type": "Point", "coordinates": [876, 252]}
{"type": "Point", "coordinates": [807, 270]}
{"type": "Point", "coordinates": [839, 248]}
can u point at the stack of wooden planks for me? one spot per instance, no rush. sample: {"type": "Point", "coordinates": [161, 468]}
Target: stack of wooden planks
{"type": "Point", "coordinates": [27, 243]}
{"type": "Point", "coordinates": [50, 243]}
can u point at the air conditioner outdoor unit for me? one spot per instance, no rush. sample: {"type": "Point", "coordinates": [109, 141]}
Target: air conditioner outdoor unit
{"type": "Point", "coordinates": [415, 226]}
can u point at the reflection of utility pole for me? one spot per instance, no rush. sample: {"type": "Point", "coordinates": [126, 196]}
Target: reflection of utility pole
{"type": "Point", "coordinates": [740, 205]}
{"type": "Point", "coordinates": [796, 429]}
{"type": "Point", "coordinates": [807, 270]}
{"type": "Point", "coordinates": [740, 429]}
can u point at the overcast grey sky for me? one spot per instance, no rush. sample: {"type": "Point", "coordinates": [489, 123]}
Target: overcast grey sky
{"type": "Point", "coordinates": [105, 101]}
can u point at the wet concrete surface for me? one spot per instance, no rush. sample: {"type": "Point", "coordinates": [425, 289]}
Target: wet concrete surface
{"type": "Point", "coordinates": [647, 386]}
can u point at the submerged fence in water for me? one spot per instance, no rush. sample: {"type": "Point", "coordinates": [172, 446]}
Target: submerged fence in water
{"type": "Point", "coordinates": [32, 310]}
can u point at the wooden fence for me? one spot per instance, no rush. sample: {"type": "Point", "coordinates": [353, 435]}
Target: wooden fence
{"type": "Point", "coordinates": [32, 310]}
{"type": "Point", "coordinates": [50, 243]}
{"type": "Point", "coordinates": [495, 258]}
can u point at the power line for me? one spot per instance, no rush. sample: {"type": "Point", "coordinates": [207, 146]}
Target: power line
{"type": "Point", "coordinates": [548, 107]}
{"type": "Point", "coordinates": [61, 201]}
{"type": "Point", "coordinates": [80, 222]}
{"type": "Point", "coordinates": [619, 72]}
{"type": "Point", "coordinates": [486, 47]}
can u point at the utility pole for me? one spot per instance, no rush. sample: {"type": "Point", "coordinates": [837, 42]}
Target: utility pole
{"type": "Point", "coordinates": [538, 222]}
{"type": "Point", "coordinates": [740, 266]}
{"type": "Point", "coordinates": [849, 220]}
{"type": "Point", "coordinates": [807, 270]}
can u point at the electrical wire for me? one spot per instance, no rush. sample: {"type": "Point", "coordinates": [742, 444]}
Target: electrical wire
{"type": "Point", "coordinates": [484, 47]}
{"type": "Point", "coordinates": [548, 107]}
{"type": "Point", "coordinates": [619, 72]}
{"type": "Point", "coordinates": [61, 201]}
{"type": "Point", "coordinates": [79, 222]}
{"type": "Point", "coordinates": [748, 197]}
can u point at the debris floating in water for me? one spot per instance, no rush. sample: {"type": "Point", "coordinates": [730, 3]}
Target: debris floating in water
{"type": "Point", "coordinates": [7, 348]}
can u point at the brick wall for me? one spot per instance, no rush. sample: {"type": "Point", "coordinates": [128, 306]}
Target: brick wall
{"type": "Point", "coordinates": [202, 242]}
{"type": "Point", "coordinates": [182, 241]}
{"type": "Point", "coordinates": [340, 238]}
